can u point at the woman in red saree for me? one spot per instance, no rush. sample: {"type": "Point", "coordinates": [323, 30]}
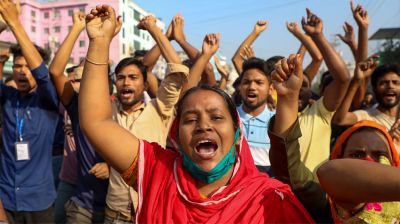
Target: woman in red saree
{"type": "Point", "coordinates": [211, 178]}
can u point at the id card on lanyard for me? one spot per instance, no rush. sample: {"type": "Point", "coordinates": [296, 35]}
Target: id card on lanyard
{"type": "Point", "coordinates": [21, 146]}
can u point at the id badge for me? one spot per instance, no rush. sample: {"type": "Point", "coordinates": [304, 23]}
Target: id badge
{"type": "Point", "coordinates": [22, 151]}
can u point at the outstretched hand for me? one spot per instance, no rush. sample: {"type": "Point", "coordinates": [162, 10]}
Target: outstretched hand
{"type": "Point", "coordinates": [10, 11]}
{"type": "Point", "coordinates": [313, 25]}
{"type": "Point", "coordinates": [293, 27]}
{"type": "Point", "coordinates": [287, 76]}
{"type": "Point", "coordinates": [101, 23]}
{"type": "Point", "coordinates": [360, 15]}
{"type": "Point", "coordinates": [348, 37]}
{"type": "Point", "coordinates": [78, 19]}
{"type": "Point", "coordinates": [247, 53]}
{"type": "Point", "coordinates": [147, 23]}
{"type": "Point", "coordinates": [365, 68]}
{"type": "Point", "coordinates": [211, 44]}
{"type": "Point", "coordinates": [260, 26]}
{"type": "Point", "coordinates": [178, 25]}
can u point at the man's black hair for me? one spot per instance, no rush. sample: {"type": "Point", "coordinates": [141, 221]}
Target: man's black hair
{"type": "Point", "coordinates": [270, 62]}
{"type": "Point", "coordinates": [132, 61]}
{"type": "Point", "coordinates": [17, 52]}
{"type": "Point", "coordinates": [256, 63]}
{"type": "Point", "coordinates": [140, 53]}
{"type": "Point", "coordinates": [383, 70]}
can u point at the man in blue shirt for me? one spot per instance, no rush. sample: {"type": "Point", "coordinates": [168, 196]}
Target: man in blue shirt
{"type": "Point", "coordinates": [30, 118]}
{"type": "Point", "coordinates": [254, 113]}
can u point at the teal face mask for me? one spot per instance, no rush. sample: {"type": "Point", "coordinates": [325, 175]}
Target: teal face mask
{"type": "Point", "coordinates": [218, 171]}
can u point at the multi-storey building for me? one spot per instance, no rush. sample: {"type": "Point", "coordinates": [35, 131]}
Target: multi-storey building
{"type": "Point", "coordinates": [48, 22]}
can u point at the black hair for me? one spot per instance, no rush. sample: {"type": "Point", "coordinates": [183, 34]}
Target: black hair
{"type": "Point", "coordinates": [326, 79]}
{"type": "Point", "coordinates": [17, 52]}
{"type": "Point", "coordinates": [270, 62]}
{"type": "Point", "coordinates": [256, 63]}
{"type": "Point", "coordinates": [72, 68]}
{"type": "Point", "coordinates": [237, 82]}
{"type": "Point", "coordinates": [140, 53]}
{"type": "Point", "coordinates": [229, 103]}
{"type": "Point", "coordinates": [132, 61]}
{"type": "Point", "coordinates": [383, 70]}
{"type": "Point", "coordinates": [188, 63]}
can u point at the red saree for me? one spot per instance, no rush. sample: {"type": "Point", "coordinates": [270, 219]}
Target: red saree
{"type": "Point", "coordinates": [168, 194]}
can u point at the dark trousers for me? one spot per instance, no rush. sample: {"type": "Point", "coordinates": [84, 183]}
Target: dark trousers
{"type": "Point", "coordinates": [44, 216]}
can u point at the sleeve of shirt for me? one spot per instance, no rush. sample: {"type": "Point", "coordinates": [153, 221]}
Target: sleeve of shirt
{"type": "Point", "coordinates": [361, 115]}
{"type": "Point", "coordinates": [170, 89]}
{"type": "Point", "coordinates": [45, 87]}
{"type": "Point", "coordinates": [285, 160]}
{"type": "Point", "coordinates": [324, 113]}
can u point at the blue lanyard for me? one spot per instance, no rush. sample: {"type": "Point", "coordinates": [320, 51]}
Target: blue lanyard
{"type": "Point", "coordinates": [20, 123]}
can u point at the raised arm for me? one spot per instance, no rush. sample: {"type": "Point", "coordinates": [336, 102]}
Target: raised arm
{"type": "Point", "coordinates": [115, 144]}
{"type": "Point", "coordinates": [4, 56]}
{"type": "Point", "coordinates": [287, 78]}
{"type": "Point", "coordinates": [223, 71]}
{"type": "Point", "coordinates": [57, 67]}
{"type": "Point", "coordinates": [10, 14]}
{"type": "Point", "coordinates": [210, 46]}
{"type": "Point", "coordinates": [284, 132]}
{"type": "Point", "coordinates": [237, 59]}
{"type": "Point", "coordinates": [150, 60]}
{"type": "Point", "coordinates": [336, 90]}
{"type": "Point", "coordinates": [316, 56]}
{"type": "Point", "coordinates": [349, 39]}
{"type": "Point", "coordinates": [149, 23]}
{"type": "Point", "coordinates": [361, 17]}
{"type": "Point", "coordinates": [350, 182]}
{"type": "Point", "coordinates": [363, 71]}
{"type": "Point", "coordinates": [208, 75]}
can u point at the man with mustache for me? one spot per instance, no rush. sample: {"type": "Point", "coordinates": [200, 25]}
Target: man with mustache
{"type": "Point", "coordinates": [385, 81]}
{"type": "Point", "coordinates": [30, 118]}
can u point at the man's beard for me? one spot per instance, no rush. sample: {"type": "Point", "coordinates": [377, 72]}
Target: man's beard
{"type": "Point", "coordinates": [387, 105]}
{"type": "Point", "coordinates": [254, 106]}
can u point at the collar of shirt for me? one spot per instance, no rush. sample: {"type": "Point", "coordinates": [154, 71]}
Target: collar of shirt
{"type": "Point", "coordinates": [263, 117]}
{"type": "Point", "coordinates": [134, 112]}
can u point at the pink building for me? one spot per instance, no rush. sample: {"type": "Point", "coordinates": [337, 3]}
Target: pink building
{"type": "Point", "coordinates": [48, 22]}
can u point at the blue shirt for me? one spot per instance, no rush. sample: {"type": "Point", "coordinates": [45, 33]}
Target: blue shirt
{"type": "Point", "coordinates": [27, 185]}
{"type": "Point", "coordinates": [256, 132]}
{"type": "Point", "coordinates": [91, 192]}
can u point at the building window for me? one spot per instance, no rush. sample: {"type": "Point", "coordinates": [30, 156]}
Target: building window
{"type": "Point", "coordinates": [33, 29]}
{"type": "Point", "coordinates": [57, 29]}
{"type": "Point", "coordinates": [46, 15]}
{"type": "Point", "coordinates": [71, 60]}
{"type": "Point", "coordinates": [69, 28]}
{"type": "Point", "coordinates": [81, 43]}
{"type": "Point", "coordinates": [46, 46]}
{"type": "Point", "coordinates": [81, 59]}
{"type": "Point", "coordinates": [123, 48]}
{"type": "Point", "coordinates": [136, 45]}
{"type": "Point", "coordinates": [136, 31]}
{"type": "Point", "coordinates": [123, 16]}
{"type": "Point", "coordinates": [33, 14]}
{"type": "Point", "coordinates": [123, 32]}
{"type": "Point", "coordinates": [46, 30]}
{"type": "Point", "coordinates": [56, 13]}
{"type": "Point", "coordinates": [57, 44]}
{"type": "Point", "coordinates": [70, 12]}
{"type": "Point", "coordinates": [136, 15]}
{"type": "Point", "coordinates": [82, 9]}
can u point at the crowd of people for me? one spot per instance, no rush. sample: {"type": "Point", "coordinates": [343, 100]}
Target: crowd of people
{"type": "Point", "coordinates": [183, 150]}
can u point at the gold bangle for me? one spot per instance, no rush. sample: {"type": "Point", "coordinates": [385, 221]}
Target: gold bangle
{"type": "Point", "coordinates": [95, 63]}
